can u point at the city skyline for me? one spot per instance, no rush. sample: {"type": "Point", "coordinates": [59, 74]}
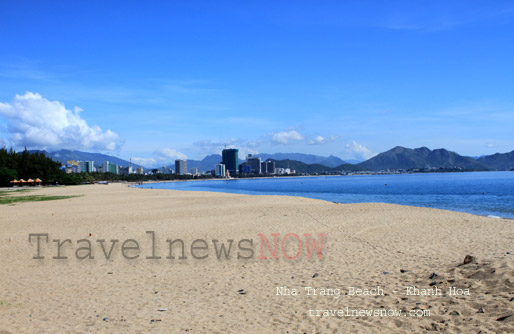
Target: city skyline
{"type": "Point", "coordinates": [173, 81]}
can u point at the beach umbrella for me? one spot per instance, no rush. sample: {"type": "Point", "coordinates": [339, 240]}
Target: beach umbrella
{"type": "Point", "coordinates": [38, 180]}
{"type": "Point", "coordinates": [30, 181]}
{"type": "Point", "coordinates": [15, 181]}
{"type": "Point", "coordinates": [23, 181]}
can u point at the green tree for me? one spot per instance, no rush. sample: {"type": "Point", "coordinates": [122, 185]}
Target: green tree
{"type": "Point", "coordinates": [6, 176]}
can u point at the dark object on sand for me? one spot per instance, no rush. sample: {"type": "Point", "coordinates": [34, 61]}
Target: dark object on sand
{"type": "Point", "coordinates": [469, 259]}
{"type": "Point", "coordinates": [505, 317]}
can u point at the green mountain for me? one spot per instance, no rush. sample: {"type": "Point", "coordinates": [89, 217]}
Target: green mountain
{"type": "Point", "coordinates": [206, 164]}
{"type": "Point", "coordinates": [303, 168]}
{"type": "Point", "coordinates": [398, 158]}
{"type": "Point", "coordinates": [63, 156]}
{"type": "Point", "coordinates": [401, 158]}
{"type": "Point", "coordinates": [300, 167]}
{"type": "Point", "coordinates": [498, 161]}
{"type": "Point", "coordinates": [331, 161]}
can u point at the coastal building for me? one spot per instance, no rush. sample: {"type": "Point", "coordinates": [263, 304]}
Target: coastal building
{"type": "Point", "coordinates": [72, 166]}
{"type": "Point", "coordinates": [254, 163]}
{"type": "Point", "coordinates": [69, 168]}
{"type": "Point", "coordinates": [86, 166]}
{"type": "Point", "coordinates": [219, 170]}
{"type": "Point", "coordinates": [194, 171]}
{"type": "Point", "coordinates": [244, 168]}
{"type": "Point", "coordinates": [126, 170]}
{"type": "Point", "coordinates": [268, 167]}
{"type": "Point", "coordinates": [180, 167]}
{"type": "Point", "coordinates": [139, 170]}
{"type": "Point", "coordinates": [108, 167]}
{"type": "Point", "coordinates": [283, 171]}
{"type": "Point", "coordinates": [230, 159]}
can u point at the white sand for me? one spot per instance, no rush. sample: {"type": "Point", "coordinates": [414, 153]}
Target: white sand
{"type": "Point", "coordinates": [201, 296]}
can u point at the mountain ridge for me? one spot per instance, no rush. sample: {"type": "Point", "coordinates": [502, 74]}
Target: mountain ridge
{"type": "Point", "coordinates": [397, 158]}
{"type": "Point", "coordinates": [402, 158]}
{"type": "Point", "coordinates": [63, 156]}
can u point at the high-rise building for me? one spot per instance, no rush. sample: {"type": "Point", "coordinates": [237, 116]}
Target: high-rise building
{"type": "Point", "coordinates": [230, 159]}
{"type": "Point", "coordinates": [86, 166]}
{"type": "Point", "coordinates": [180, 167]}
{"type": "Point", "coordinates": [219, 170]}
{"type": "Point", "coordinates": [254, 163]}
{"type": "Point", "coordinates": [268, 167]}
{"type": "Point", "coordinates": [244, 169]}
{"type": "Point", "coordinates": [108, 167]}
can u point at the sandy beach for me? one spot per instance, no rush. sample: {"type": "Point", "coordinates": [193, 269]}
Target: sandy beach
{"type": "Point", "coordinates": [372, 253]}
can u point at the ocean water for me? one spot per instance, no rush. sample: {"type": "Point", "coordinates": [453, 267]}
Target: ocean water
{"type": "Point", "coordinates": [481, 193]}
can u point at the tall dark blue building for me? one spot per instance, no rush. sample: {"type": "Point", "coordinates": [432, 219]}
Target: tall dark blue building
{"type": "Point", "coordinates": [230, 157]}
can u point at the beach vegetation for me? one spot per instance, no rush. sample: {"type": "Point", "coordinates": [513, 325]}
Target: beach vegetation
{"type": "Point", "coordinates": [6, 197]}
{"type": "Point", "coordinates": [27, 165]}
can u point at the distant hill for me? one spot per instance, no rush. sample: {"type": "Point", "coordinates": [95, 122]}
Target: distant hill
{"type": "Point", "coordinates": [63, 156]}
{"type": "Point", "coordinates": [347, 168]}
{"type": "Point", "coordinates": [406, 158]}
{"type": "Point", "coordinates": [395, 159]}
{"type": "Point", "coordinates": [303, 168]}
{"type": "Point", "coordinates": [498, 161]}
{"type": "Point", "coordinates": [309, 159]}
{"type": "Point", "coordinates": [353, 161]}
{"type": "Point", "coordinates": [206, 164]}
{"type": "Point", "coordinates": [300, 167]}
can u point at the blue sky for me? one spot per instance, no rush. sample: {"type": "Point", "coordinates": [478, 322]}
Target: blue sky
{"type": "Point", "coordinates": [165, 79]}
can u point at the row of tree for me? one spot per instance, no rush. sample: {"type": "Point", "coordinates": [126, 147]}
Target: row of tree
{"type": "Point", "coordinates": [25, 165]}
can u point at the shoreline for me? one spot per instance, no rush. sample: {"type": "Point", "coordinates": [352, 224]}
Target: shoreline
{"type": "Point", "coordinates": [396, 199]}
{"type": "Point", "coordinates": [134, 185]}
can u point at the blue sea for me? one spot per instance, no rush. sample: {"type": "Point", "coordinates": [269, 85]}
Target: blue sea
{"type": "Point", "coordinates": [481, 193]}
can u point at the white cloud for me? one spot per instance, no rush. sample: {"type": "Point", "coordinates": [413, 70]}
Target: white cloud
{"type": "Point", "coordinates": [318, 140]}
{"type": "Point", "coordinates": [245, 150]}
{"type": "Point", "coordinates": [245, 147]}
{"type": "Point", "coordinates": [161, 157]}
{"type": "Point", "coordinates": [146, 162]}
{"type": "Point", "coordinates": [166, 154]}
{"type": "Point", "coordinates": [36, 122]}
{"type": "Point", "coordinates": [285, 137]}
{"type": "Point", "coordinates": [358, 151]}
